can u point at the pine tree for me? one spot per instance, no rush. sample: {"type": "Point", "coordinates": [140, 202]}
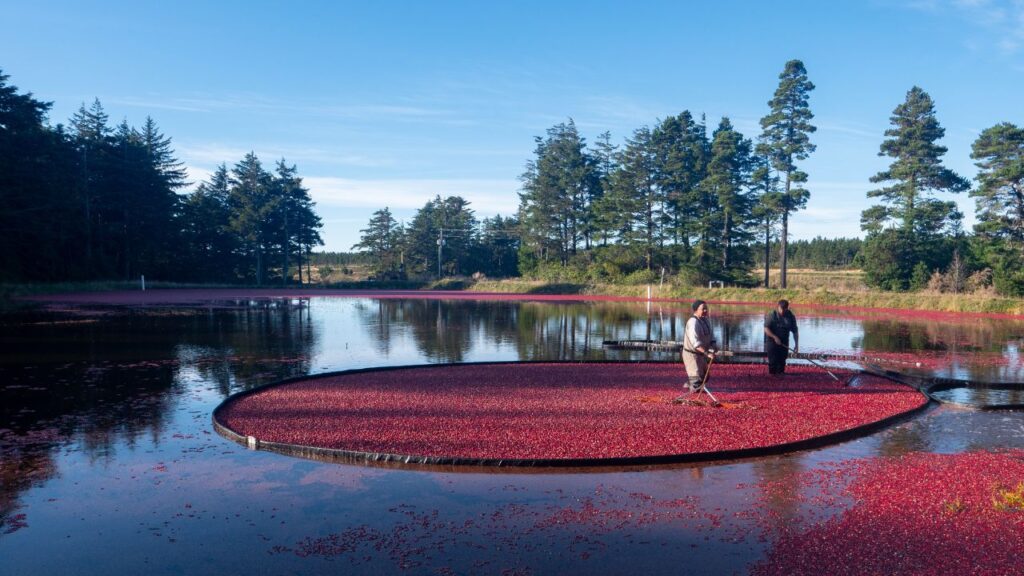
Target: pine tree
{"type": "Point", "coordinates": [252, 206]}
{"type": "Point", "coordinates": [381, 240]}
{"type": "Point", "coordinates": [999, 152]}
{"type": "Point", "coordinates": [785, 140]}
{"type": "Point", "coordinates": [728, 178]}
{"type": "Point", "coordinates": [41, 223]}
{"type": "Point", "coordinates": [211, 246]}
{"type": "Point", "coordinates": [440, 237]}
{"type": "Point", "coordinates": [682, 151]}
{"type": "Point", "coordinates": [915, 172]}
{"type": "Point", "coordinates": [767, 206]}
{"type": "Point", "coordinates": [602, 162]}
{"type": "Point", "coordinates": [293, 216]}
{"type": "Point", "coordinates": [640, 200]}
{"type": "Point", "coordinates": [91, 135]}
{"type": "Point", "coordinates": [556, 189]}
{"type": "Point", "coordinates": [498, 246]}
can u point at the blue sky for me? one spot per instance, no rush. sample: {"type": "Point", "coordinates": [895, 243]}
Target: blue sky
{"type": "Point", "coordinates": [391, 103]}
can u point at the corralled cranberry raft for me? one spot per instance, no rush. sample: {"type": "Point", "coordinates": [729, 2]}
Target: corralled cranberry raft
{"type": "Point", "coordinates": [559, 413]}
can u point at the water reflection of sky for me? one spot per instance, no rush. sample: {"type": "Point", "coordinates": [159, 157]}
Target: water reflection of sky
{"type": "Point", "coordinates": [110, 463]}
{"type": "Point", "coordinates": [405, 332]}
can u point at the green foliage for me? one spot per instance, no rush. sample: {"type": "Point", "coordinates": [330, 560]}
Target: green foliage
{"type": "Point", "coordinates": [999, 151]}
{"type": "Point", "coordinates": [919, 276]}
{"type": "Point", "coordinates": [817, 254]}
{"type": "Point", "coordinates": [642, 276]}
{"type": "Point", "coordinates": [916, 171]}
{"type": "Point", "coordinates": [559, 185]}
{"type": "Point", "coordinates": [784, 140]}
{"type": "Point", "coordinates": [97, 202]}
{"type": "Point", "coordinates": [888, 260]}
{"type": "Point", "coordinates": [681, 152]}
{"type": "Point", "coordinates": [1007, 266]}
{"type": "Point", "coordinates": [1000, 193]}
{"type": "Point", "coordinates": [446, 220]}
{"type": "Point", "coordinates": [381, 240]}
{"type": "Point", "coordinates": [728, 180]}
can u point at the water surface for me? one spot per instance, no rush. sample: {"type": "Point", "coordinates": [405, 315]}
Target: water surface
{"type": "Point", "coordinates": [109, 463]}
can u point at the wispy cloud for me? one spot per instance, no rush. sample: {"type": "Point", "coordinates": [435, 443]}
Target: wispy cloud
{"type": "Point", "coordinates": [212, 154]}
{"type": "Point", "coordinates": [319, 108]}
{"type": "Point", "coordinates": [486, 197]}
{"type": "Point", "coordinates": [620, 110]}
{"type": "Point", "coordinates": [1001, 20]}
{"type": "Point", "coordinates": [848, 129]}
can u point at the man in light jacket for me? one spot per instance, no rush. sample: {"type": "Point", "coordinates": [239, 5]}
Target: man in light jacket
{"type": "Point", "coordinates": [698, 346]}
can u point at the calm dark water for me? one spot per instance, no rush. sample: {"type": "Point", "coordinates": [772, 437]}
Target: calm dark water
{"type": "Point", "coordinates": [108, 463]}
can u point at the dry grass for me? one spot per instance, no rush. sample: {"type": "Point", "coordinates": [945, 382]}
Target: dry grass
{"type": "Point", "coordinates": [864, 298]}
{"type": "Point", "coordinates": [835, 280]}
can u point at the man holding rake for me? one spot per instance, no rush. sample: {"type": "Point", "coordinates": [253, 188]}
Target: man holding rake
{"type": "Point", "coordinates": [778, 325]}
{"type": "Point", "coordinates": [698, 347]}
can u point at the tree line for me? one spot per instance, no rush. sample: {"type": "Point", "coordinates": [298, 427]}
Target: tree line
{"type": "Point", "coordinates": [89, 201]}
{"type": "Point", "coordinates": [444, 238]}
{"type": "Point", "coordinates": [671, 198]}
{"type": "Point", "coordinates": [816, 254]}
{"type": "Point", "coordinates": [916, 240]}
{"type": "Point", "coordinates": [703, 207]}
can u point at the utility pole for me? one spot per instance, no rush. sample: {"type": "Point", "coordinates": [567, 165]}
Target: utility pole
{"type": "Point", "coordinates": [440, 243]}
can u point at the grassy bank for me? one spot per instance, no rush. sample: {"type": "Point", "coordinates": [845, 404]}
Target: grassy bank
{"type": "Point", "coordinates": [823, 296]}
{"type": "Point", "coordinates": [803, 293]}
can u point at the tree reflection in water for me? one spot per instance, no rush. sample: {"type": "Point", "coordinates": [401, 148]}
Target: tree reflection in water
{"type": "Point", "coordinates": [89, 390]}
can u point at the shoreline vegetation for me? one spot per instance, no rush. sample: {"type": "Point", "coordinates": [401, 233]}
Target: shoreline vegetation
{"type": "Point", "coordinates": [14, 296]}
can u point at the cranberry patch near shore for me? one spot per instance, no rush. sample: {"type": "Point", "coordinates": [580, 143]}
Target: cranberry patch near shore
{"type": "Point", "coordinates": [919, 513]}
{"type": "Point", "coordinates": [560, 411]}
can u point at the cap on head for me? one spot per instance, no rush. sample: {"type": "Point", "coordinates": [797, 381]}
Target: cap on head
{"type": "Point", "coordinates": [698, 304]}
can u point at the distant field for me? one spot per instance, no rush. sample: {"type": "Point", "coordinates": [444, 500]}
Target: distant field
{"type": "Point", "coordinates": [330, 274]}
{"type": "Point", "coordinates": [807, 279]}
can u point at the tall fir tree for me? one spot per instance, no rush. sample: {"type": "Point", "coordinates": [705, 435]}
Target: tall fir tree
{"type": "Point", "coordinates": [294, 216]}
{"type": "Point", "coordinates": [682, 150]}
{"type": "Point", "coordinates": [381, 239]}
{"type": "Point", "coordinates": [785, 140]}
{"type": "Point", "coordinates": [767, 206]}
{"type": "Point", "coordinates": [915, 173]}
{"type": "Point", "coordinates": [555, 192]}
{"type": "Point", "coordinates": [41, 222]}
{"type": "Point", "coordinates": [211, 245]}
{"type": "Point", "coordinates": [728, 178]}
{"type": "Point", "coordinates": [999, 152]}
{"type": "Point", "coordinates": [91, 135]}
{"type": "Point", "coordinates": [640, 199]}
{"type": "Point", "coordinates": [252, 205]}
{"type": "Point", "coordinates": [907, 202]}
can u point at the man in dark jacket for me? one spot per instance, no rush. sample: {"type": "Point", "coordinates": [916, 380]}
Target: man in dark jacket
{"type": "Point", "coordinates": [778, 324]}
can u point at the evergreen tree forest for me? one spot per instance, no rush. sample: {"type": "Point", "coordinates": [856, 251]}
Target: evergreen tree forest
{"type": "Point", "coordinates": [702, 203]}
{"type": "Point", "coordinates": [685, 199]}
{"type": "Point", "coordinates": [680, 197]}
{"type": "Point", "coordinates": [443, 239]}
{"type": "Point", "coordinates": [915, 239]}
{"type": "Point", "coordinates": [92, 201]}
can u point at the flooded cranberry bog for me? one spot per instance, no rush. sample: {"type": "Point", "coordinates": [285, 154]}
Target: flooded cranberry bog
{"type": "Point", "coordinates": [110, 461]}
